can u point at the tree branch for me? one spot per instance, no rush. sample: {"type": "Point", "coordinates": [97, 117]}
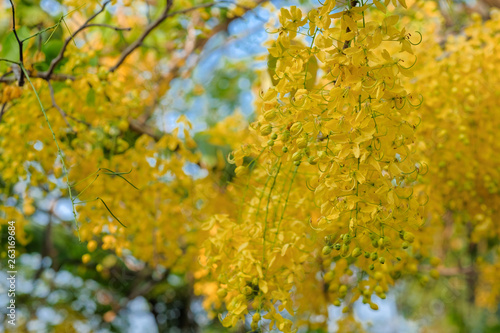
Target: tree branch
{"type": "Point", "coordinates": [108, 26]}
{"type": "Point", "coordinates": [3, 110]}
{"type": "Point", "coordinates": [164, 15]}
{"type": "Point", "coordinates": [138, 42]}
{"type": "Point", "coordinates": [60, 56]}
{"type": "Point", "coordinates": [40, 75]}
{"type": "Point", "coordinates": [19, 42]}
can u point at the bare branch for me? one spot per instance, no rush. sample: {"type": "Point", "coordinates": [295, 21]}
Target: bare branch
{"type": "Point", "coordinates": [3, 110]}
{"type": "Point", "coordinates": [41, 75]}
{"type": "Point", "coordinates": [60, 56]}
{"type": "Point", "coordinates": [166, 14]}
{"type": "Point", "coordinates": [61, 111]}
{"type": "Point", "coordinates": [19, 42]}
{"type": "Point", "coordinates": [138, 42]}
{"type": "Point", "coordinates": [108, 26]}
{"type": "Point", "coordinates": [54, 104]}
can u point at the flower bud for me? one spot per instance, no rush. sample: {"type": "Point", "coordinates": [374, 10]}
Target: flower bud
{"type": "Point", "coordinates": [409, 237]}
{"type": "Point", "coordinates": [241, 171]}
{"type": "Point", "coordinates": [296, 128]}
{"type": "Point", "coordinates": [356, 252]}
{"type": "Point", "coordinates": [270, 115]}
{"type": "Point", "coordinates": [266, 129]}
{"type": "Point", "coordinates": [302, 143]}
{"type": "Point", "coordinates": [297, 156]}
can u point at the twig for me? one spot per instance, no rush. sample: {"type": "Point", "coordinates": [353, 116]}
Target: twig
{"type": "Point", "coordinates": [60, 56]}
{"type": "Point", "coordinates": [40, 75]}
{"type": "Point", "coordinates": [138, 42]}
{"type": "Point", "coordinates": [54, 104]}
{"type": "Point", "coordinates": [19, 42]}
{"type": "Point", "coordinates": [166, 14]}
{"type": "Point", "coordinates": [59, 151]}
{"type": "Point", "coordinates": [2, 111]}
{"type": "Point", "coordinates": [108, 26]}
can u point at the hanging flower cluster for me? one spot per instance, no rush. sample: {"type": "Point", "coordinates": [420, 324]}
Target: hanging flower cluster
{"type": "Point", "coordinates": [327, 183]}
{"type": "Point", "coordinates": [460, 137]}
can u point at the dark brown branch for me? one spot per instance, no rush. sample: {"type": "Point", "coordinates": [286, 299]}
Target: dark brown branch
{"type": "Point", "coordinates": [138, 42]}
{"type": "Point", "coordinates": [58, 108]}
{"type": "Point", "coordinates": [40, 75]}
{"type": "Point", "coordinates": [3, 110]}
{"type": "Point", "coordinates": [19, 42]}
{"type": "Point", "coordinates": [108, 26]}
{"type": "Point", "coordinates": [165, 14]}
{"type": "Point", "coordinates": [60, 56]}
{"type": "Point", "coordinates": [348, 42]}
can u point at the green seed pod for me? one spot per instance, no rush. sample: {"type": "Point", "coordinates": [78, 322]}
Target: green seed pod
{"type": "Point", "coordinates": [284, 149]}
{"type": "Point", "coordinates": [405, 245]}
{"type": "Point", "coordinates": [274, 136]}
{"type": "Point", "coordinates": [374, 256]}
{"type": "Point", "coordinates": [381, 260]}
{"type": "Point", "coordinates": [338, 246]}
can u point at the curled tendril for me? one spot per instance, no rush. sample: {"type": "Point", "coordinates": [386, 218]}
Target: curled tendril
{"type": "Point", "coordinates": [405, 198]}
{"type": "Point", "coordinates": [426, 201]}
{"type": "Point", "coordinates": [311, 188]}
{"type": "Point", "coordinates": [419, 42]}
{"type": "Point", "coordinates": [407, 154]}
{"type": "Point", "coordinates": [327, 166]}
{"type": "Point", "coordinates": [310, 224]}
{"type": "Point", "coordinates": [403, 101]}
{"type": "Point", "coordinates": [405, 211]}
{"type": "Point", "coordinates": [417, 105]}
{"type": "Point", "coordinates": [380, 136]}
{"type": "Point", "coordinates": [374, 144]}
{"type": "Point", "coordinates": [401, 144]}
{"type": "Point", "coordinates": [417, 125]}
{"type": "Point", "coordinates": [369, 87]}
{"type": "Point", "coordinates": [296, 105]}
{"type": "Point", "coordinates": [379, 159]}
{"type": "Point", "coordinates": [426, 169]}
{"type": "Point", "coordinates": [403, 67]}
